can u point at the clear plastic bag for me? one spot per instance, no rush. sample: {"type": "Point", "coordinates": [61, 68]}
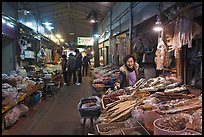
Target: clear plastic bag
{"type": "Point", "coordinates": [131, 123]}
{"type": "Point", "coordinates": [23, 110]}
{"type": "Point", "coordinates": [12, 116]}
{"type": "Point", "coordinates": [195, 123]}
{"type": "Point", "coordinates": [137, 115]}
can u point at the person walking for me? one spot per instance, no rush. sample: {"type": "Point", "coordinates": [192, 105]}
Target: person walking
{"type": "Point", "coordinates": [78, 67]}
{"type": "Point", "coordinates": [86, 63]}
{"type": "Point", "coordinates": [64, 66]}
{"type": "Point", "coordinates": [71, 66]}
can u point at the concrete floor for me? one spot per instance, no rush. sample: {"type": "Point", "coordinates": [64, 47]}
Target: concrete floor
{"type": "Point", "coordinates": [58, 116]}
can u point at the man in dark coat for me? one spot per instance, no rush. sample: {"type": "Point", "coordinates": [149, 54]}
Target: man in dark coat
{"type": "Point", "coordinates": [86, 63]}
{"type": "Point", "coordinates": [71, 66]}
{"type": "Point", "coordinates": [78, 67]}
{"type": "Point", "coordinates": [64, 66]}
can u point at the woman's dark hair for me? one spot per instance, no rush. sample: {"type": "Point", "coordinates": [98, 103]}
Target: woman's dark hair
{"type": "Point", "coordinates": [71, 54]}
{"type": "Point", "coordinates": [127, 57]}
{"type": "Point", "coordinates": [64, 56]}
{"type": "Point", "coordinates": [76, 50]}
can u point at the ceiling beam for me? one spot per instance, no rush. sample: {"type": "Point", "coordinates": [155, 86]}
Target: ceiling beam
{"type": "Point", "coordinates": [68, 20]}
{"type": "Point", "coordinates": [60, 9]}
{"type": "Point", "coordinates": [62, 14]}
{"type": "Point", "coordinates": [38, 7]}
{"type": "Point", "coordinates": [68, 16]}
{"type": "Point", "coordinates": [101, 4]}
{"type": "Point", "coordinates": [91, 8]}
{"type": "Point", "coordinates": [54, 9]}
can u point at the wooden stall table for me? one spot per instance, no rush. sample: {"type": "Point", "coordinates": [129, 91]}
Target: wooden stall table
{"type": "Point", "coordinates": [51, 82]}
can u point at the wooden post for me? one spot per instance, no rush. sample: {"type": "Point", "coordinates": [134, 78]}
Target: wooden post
{"type": "Point", "coordinates": [179, 66]}
{"type": "Point", "coordinates": [184, 65]}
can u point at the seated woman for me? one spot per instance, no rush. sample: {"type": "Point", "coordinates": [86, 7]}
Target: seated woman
{"type": "Point", "coordinates": [129, 73]}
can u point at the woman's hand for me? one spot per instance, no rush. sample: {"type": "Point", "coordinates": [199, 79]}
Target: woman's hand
{"type": "Point", "coordinates": [117, 85]}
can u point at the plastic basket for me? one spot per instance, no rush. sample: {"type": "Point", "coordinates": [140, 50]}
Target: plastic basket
{"type": "Point", "coordinates": [89, 112]}
{"type": "Point", "coordinates": [149, 117]}
{"type": "Point", "coordinates": [159, 131]}
{"type": "Point", "coordinates": [35, 98]}
{"type": "Point", "coordinates": [98, 87]}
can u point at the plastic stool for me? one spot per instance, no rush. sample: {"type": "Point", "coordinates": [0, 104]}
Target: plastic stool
{"type": "Point", "coordinates": [84, 122]}
{"type": "Point", "coordinates": [49, 89]}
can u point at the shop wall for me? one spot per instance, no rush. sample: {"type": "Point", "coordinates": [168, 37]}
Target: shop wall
{"type": "Point", "coordinates": [125, 23]}
{"type": "Point", "coordinates": [120, 21]}
{"type": "Point", "coordinates": [141, 11]}
{"type": "Point", "coordinates": [8, 57]}
{"type": "Point", "coordinates": [118, 9]}
{"type": "Point", "coordinates": [30, 21]}
{"type": "Point", "coordinates": [116, 29]}
{"type": "Point", "coordinates": [12, 6]}
{"type": "Point", "coordinates": [121, 50]}
{"type": "Point", "coordinates": [105, 24]}
{"type": "Point", "coordinates": [8, 43]}
{"type": "Point", "coordinates": [106, 52]}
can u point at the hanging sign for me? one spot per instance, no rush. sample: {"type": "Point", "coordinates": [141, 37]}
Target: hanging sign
{"type": "Point", "coordinates": [85, 41]}
{"type": "Point", "coordinates": [123, 35]}
{"type": "Point", "coordinates": [106, 43]}
{"type": "Point", "coordinates": [100, 45]}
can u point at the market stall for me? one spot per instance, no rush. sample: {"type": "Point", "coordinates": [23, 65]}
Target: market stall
{"type": "Point", "coordinates": [139, 109]}
{"type": "Point", "coordinates": [19, 91]}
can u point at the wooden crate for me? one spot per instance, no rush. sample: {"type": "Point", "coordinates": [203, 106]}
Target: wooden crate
{"type": "Point", "coordinates": [116, 125]}
{"type": "Point", "coordinates": [105, 99]}
{"type": "Point", "coordinates": [135, 131]}
{"type": "Point", "coordinates": [3, 123]}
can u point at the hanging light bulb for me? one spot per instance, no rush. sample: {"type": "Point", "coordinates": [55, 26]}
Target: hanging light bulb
{"type": "Point", "coordinates": [93, 17]}
{"type": "Point", "coordinates": [158, 25]}
{"type": "Point", "coordinates": [92, 21]}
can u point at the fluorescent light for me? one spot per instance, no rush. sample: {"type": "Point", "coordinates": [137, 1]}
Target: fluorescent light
{"type": "Point", "coordinates": [3, 20]}
{"type": "Point", "coordinates": [62, 40]}
{"type": "Point", "coordinates": [26, 12]}
{"type": "Point", "coordinates": [47, 23]}
{"type": "Point", "coordinates": [71, 33]}
{"type": "Point", "coordinates": [37, 37]}
{"type": "Point", "coordinates": [58, 36]}
{"type": "Point", "coordinates": [10, 25]}
{"type": "Point", "coordinates": [66, 43]}
{"type": "Point", "coordinates": [96, 35]}
{"type": "Point", "coordinates": [49, 28]}
{"type": "Point", "coordinates": [7, 18]}
{"type": "Point", "coordinates": [29, 24]}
